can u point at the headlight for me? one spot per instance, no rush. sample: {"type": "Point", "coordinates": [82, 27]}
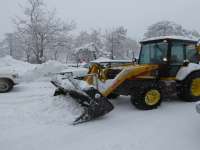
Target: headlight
{"type": "Point", "coordinates": [15, 76]}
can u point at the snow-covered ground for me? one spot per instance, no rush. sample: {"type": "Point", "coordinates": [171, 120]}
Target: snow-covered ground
{"type": "Point", "coordinates": [31, 118]}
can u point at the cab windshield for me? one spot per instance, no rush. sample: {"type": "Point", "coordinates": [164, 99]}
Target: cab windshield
{"type": "Point", "coordinates": [153, 53]}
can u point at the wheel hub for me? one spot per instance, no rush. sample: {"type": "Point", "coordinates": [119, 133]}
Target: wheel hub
{"type": "Point", "coordinates": [152, 97]}
{"type": "Point", "coordinates": [195, 87]}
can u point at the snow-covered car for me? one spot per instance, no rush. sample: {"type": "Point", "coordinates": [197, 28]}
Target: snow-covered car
{"type": "Point", "coordinates": [76, 72]}
{"type": "Point", "coordinates": [7, 82]}
{"type": "Point", "coordinates": [82, 69]}
{"type": "Point", "coordinates": [198, 107]}
{"type": "Point", "coordinates": [110, 62]}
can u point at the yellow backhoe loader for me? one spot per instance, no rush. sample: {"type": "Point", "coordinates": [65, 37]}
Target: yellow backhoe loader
{"type": "Point", "coordinates": [168, 63]}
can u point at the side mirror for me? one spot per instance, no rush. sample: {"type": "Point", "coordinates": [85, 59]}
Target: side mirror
{"type": "Point", "coordinates": [186, 62]}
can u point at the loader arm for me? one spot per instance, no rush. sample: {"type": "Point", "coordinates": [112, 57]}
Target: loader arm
{"type": "Point", "coordinates": [130, 72]}
{"type": "Point", "coordinates": [98, 70]}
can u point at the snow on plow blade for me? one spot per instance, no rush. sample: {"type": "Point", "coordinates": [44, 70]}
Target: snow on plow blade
{"type": "Point", "coordinates": [92, 101]}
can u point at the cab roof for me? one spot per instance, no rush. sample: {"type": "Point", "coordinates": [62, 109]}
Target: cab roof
{"type": "Point", "coordinates": [179, 38]}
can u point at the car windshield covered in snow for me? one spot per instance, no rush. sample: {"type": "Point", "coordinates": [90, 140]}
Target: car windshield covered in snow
{"type": "Point", "coordinates": [114, 64]}
{"type": "Point", "coordinates": [111, 63]}
{"type": "Point", "coordinates": [153, 53]}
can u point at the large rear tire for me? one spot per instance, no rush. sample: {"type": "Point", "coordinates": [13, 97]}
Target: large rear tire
{"type": "Point", "coordinates": [189, 89]}
{"type": "Point", "coordinates": [5, 85]}
{"type": "Point", "coordinates": [146, 98]}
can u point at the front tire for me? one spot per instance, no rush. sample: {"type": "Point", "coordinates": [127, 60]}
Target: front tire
{"type": "Point", "coordinates": [189, 89]}
{"type": "Point", "coordinates": [148, 98]}
{"type": "Point", "coordinates": [5, 85]}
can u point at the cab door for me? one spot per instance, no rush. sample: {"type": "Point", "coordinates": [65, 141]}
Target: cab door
{"type": "Point", "coordinates": [177, 57]}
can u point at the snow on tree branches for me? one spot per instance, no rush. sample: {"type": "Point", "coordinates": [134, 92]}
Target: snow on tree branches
{"type": "Point", "coordinates": [166, 28]}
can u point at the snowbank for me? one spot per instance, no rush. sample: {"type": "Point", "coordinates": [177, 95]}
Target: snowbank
{"type": "Point", "coordinates": [8, 64]}
{"type": "Point", "coordinates": [47, 69]}
{"type": "Point", "coordinates": [31, 72]}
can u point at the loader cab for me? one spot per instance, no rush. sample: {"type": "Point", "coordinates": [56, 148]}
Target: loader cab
{"type": "Point", "coordinates": [170, 53]}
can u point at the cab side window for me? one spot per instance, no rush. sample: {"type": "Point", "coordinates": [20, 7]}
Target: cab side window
{"type": "Point", "coordinates": [191, 53]}
{"type": "Point", "coordinates": [177, 54]}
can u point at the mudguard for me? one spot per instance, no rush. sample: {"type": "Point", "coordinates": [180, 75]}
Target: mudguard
{"type": "Point", "coordinates": [187, 70]}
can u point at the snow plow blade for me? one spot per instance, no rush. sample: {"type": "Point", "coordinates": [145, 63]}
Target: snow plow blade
{"type": "Point", "coordinates": [93, 102]}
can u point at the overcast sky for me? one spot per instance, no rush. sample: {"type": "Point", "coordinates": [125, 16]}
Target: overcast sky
{"type": "Point", "coordinates": [135, 15]}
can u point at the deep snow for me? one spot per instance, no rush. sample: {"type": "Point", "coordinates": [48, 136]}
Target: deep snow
{"type": "Point", "coordinates": [31, 118]}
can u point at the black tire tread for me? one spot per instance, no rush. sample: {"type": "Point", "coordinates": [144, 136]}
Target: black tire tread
{"type": "Point", "coordinates": [138, 97]}
{"type": "Point", "coordinates": [10, 83]}
{"type": "Point", "coordinates": [183, 88]}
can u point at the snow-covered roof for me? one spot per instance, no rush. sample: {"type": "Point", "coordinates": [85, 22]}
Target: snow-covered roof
{"type": "Point", "coordinates": [100, 60]}
{"type": "Point", "coordinates": [107, 60]}
{"type": "Point", "coordinates": [174, 37]}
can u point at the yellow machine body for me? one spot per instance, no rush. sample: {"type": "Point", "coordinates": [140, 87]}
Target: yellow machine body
{"type": "Point", "coordinates": [126, 73]}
